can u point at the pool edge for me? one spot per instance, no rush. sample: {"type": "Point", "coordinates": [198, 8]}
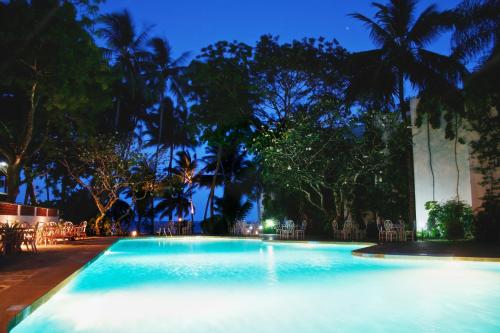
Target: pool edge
{"type": "Point", "coordinates": [25, 312]}
{"type": "Point", "coordinates": [422, 257]}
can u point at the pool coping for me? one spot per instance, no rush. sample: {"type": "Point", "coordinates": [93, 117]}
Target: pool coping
{"type": "Point", "coordinates": [422, 256]}
{"type": "Point", "coordinates": [25, 312]}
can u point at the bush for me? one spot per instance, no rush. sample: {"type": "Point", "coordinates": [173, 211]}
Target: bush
{"type": "Point", "coordinates": [451, 220]}
{"type": "Point", "coordinates": [487, 222]}
{"type": "Point", "coordinates": [218, 227]}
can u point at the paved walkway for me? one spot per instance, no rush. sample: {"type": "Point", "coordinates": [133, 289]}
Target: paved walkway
{"type": "Point", "coordinates": [462, 250]}
{"type": "Point", "coordinates": [27, 276]}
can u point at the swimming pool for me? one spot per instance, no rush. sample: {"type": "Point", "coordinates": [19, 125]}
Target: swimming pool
{"type": "Point", "coordinates": [238, 286]}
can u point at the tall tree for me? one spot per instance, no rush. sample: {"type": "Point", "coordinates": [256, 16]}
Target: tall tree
{"type": "Point", "coordinates": [477, 40]}
{"type": "Point", "coordinates": [41, 41]}
{"type": "Point", "coordinates": [167, 78]}
{"type": "Point", "coordinates": [125, 47]}
{"type": "Point", "coordinates": [187, 169]}
{"type": "Point", "coordinates": [402, 57]}
{"type": "Point", "coordinates": [223, 99]}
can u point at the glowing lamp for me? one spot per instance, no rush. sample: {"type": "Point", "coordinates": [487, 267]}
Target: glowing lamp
{"type": "Point", "coordinates": [133, 233]}
{"type": "Point", "coordinates": [269, 223]}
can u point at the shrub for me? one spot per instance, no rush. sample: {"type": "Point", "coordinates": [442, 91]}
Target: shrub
{"type": "Point", "coordinates": [217, 227]}
{"type": "Point", "coordinates": [487, 222]}
{"type": "Point", "coordinates": [451, 220]}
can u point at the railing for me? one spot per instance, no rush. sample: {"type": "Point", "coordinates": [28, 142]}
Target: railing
{"type": "Point", "coordinates": [11, 213]}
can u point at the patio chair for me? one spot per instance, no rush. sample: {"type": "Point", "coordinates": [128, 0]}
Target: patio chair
{"type": "Point", "coordinates": [187, 228]}
{"type": "Point", "coordinates": [390, 233]}
{"type": "Point", "coordinates": [301, 232]}
{"type": "Point", "coordinates": [357, 233]}
{"type": "Point", "coordinates": [279, 231]}
{"type": "Point", "coordinates": [240, 228]}
{"type": "Point", "coordinates": [171, 228]}
{"type": "Point", "coordinates": [381, 233]}
{"type": "Point", "coordinates": [408, 234]}
{"type": "Point", "coordinates": [337, 233]}
{"type": "Point", "coordinates": [68, 230]}
{"type": "Point", "coordinates": [81, 230]}
{"type": "Point", "coordinates": [288, 231]}
{"type": "Point", "coordinates": [53, 232]}
{"type": "Point", "coordinates": [346, 230]}
{"type": "Point", "coordinates": [29, 239]}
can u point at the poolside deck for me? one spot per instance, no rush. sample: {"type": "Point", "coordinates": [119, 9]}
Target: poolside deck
{"type": "Point", "coordinates": [461, 250]}
{"type": "Point", "coordinates": [26, 277]}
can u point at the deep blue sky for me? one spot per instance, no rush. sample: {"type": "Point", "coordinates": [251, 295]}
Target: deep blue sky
{"type": "Point", "coordinates": [190, 25]}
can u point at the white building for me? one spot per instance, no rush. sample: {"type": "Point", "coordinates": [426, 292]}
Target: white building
{"type": "Point", "coordinates": [434, 154]}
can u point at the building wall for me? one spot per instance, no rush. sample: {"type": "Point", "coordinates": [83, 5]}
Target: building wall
{"type": "Point", "coordinates": [443, 163]}
{"type": "Point", "coordinates": [12, 213]}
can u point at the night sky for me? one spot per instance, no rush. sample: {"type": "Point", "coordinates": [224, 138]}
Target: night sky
{"type": "Point", "coordinates": [190, 25]}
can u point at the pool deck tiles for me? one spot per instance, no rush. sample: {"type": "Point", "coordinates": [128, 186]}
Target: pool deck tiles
{"type": "Point", "coordinates": [26, 277]}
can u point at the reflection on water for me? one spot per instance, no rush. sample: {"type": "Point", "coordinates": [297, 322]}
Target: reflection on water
{"type": "Point", "coordinates": [207, 285]}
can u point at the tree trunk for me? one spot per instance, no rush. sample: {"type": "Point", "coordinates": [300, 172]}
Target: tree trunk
{"type": "Point", "coordinates": [339, 207]}
{"type": "Point", "coordinates": [430, 159]}
{"type": "Point", "coordinates": [409, 153]}
{"type": "Point", "coordinates": [30, 196]}
{"type": "Point", "coordinates": [191, 208]}
{"type": "Point", "coordinates": [160, 135]}
{"type": "Point", "coordinates": [212, 187]}
{"type": "Point", "coordinates": [171, 158]}
{"type": "Point", "coordinates": [456, 158]}
{"type": "Point", "coordinates": [13, 180]}
{"type": "Point", "coordinates": [47, 190]}
{"type": "Point", "coordinates": [17, 157]}
{"type": "Point", "coordinates": [98, 222]}
{"type": "Point", "coordinates": [64, 188]}
{"type": "Point", "coordinates": [259, 206]}
{"type": "Point", "coordinates": [152, 203]}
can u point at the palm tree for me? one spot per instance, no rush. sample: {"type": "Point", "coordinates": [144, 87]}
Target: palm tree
{"type": "Point", "coordinates": [173, 131]}
{"type": "Point", "coordinates": [477, 37]}
{"type": "Point", "coordinates": [231, 168]}
{"type": "Point", "coordinates": [477, 30]}
{"type": "Point", "coordinates": [187, 170]}
{"type": "Point", "coordinates": [402, 57]}
{"type": "Point", "coordinates": [168, 72]}
{"type": "Point", "coordinates": [167, 77]}
{"type": "Point", "coordinates": [175, 197]}
{"type": "Point", "coordinates": [125, 47]}
{"type": "Point", "coordinates": [233, 205]}
{"type": "Point", "coordinates": [142, 197]}
{"type": "Point", "coordinates": [477, 40]}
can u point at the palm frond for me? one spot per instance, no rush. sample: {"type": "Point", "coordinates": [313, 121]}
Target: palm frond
{"type": "Point", "coordinates": [429, 25]}
{"type": "Point", "coordinates": [377, 33]}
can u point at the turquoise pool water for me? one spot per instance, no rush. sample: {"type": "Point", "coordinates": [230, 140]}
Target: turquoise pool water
{"type": "Point", "coordinates": [239, 286]}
